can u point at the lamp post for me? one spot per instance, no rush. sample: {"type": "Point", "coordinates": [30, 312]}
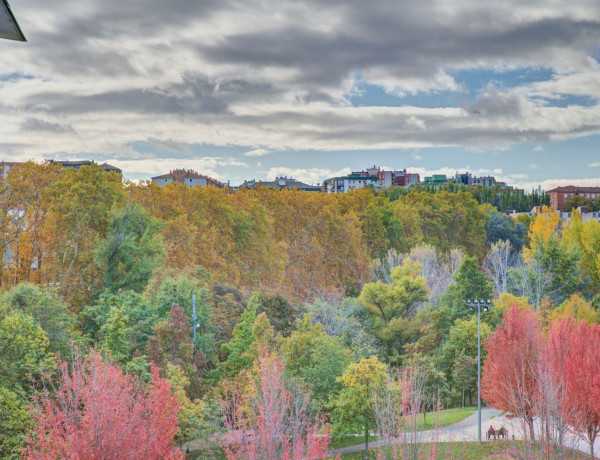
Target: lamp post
{"type": "Point", "coordinates": [485, 304]}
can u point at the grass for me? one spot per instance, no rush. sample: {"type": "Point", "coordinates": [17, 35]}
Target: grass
{"type": "Point", "coordinates": [446, 417]}
{"type": "Point", "coordinates": [340, 441]}
{"type": "Point", "coordinates": [466, 450]}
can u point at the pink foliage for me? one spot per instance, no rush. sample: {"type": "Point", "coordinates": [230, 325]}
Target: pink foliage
{"type": "Point", "coordinates": [94, 411]}
{"type": "Point", "coordinates": [509, 380]}
{"type": "Point", "coordinates": [275, 422]}
{"type": "Point", "coordinates": [576, 357]}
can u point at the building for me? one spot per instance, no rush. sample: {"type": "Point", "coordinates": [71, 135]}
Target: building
{"type": "Point", "coordinates": [352, 181]}
{"type": "Point", "coordinates": [282, 183]}
{"type": "Point", "coordinates": [586, 214]}
{"type": "Point", "coordinates": [5, 167]}
{"type": "Point", "coordinates": [187, 177]}
{"type": "Point", "coordinates": [373, 177]}
{"type": "Point", "coordinates": [473, 181]}
{"type": "Point", "coordinates": [77, 164]}
{"type": "Point", "coordinates": [559, 195]}
{"type": "Point", "coordinates": [436, 180]}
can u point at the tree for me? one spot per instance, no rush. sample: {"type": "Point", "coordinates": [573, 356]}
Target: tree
{"type": "Point", "coordinates": [172, 344]}
{"type": "Point", "coordinates": [577, 308]}
{"type": "Point", "coordinates": [114, 335]}
{"type": "Point", "coordinates": [497, 263]}
{"type": "Point", "coordinates": [392, 304]}
{"type": "Point", "coordinates": [275, 423]}
{"type": "Point", "coordinates": [354, 408]}
{"type": "Point", "coordinates": [191, 414]}
{"type": "Point", "coordinates": [141, 318]}
{"type": "Point", "coordinates": [469, 283]}
{"type": "Point", "coordinates": [238, 348]}
{"type": "Point", "coordinates": [586, 238]}
{"type": "Point", "coordinates": [131, 250]}
{"type": "Point", "coordinates": [95, 411]}
{"type": "Point", "coordinates": [509, 379]}
{"type": "Point", "coordinates": [464, 374]}
{"type": "Point", "coordinates": [502, 227]}
{"type": "Point", "coordinates": [576, 358]}
{"type": "Point", "coordinates": [317, 360]}
{"type": "Point", "coordinates": [48, 310]}
{"type": "Point", "coordinates": [24, 352]}
{"type": "Point", "coordinates": [15, 421]}
{"type": "Point", "coordinates": [462, 340]}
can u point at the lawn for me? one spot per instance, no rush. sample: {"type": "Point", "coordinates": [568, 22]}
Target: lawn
{"type": "Point", "coordinates": [467, 451]}
{"type": "Point", "coordinates": [446, 417]}
{"type": "Point", "coordinates": [441, 418]}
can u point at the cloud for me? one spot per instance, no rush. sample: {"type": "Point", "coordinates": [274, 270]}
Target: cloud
{"type": "Point", "coordinates": [594, 165]}
{"type": "Point", "coordinates": [538, 148]}
{"type": "Point", "coordinates": [257, 153]}
{"type": "Point", "coordinates": [310, 175]}
{"type": "Point", "coordinates": [97, 77]}
{"type": "Point", "coordinates": [36, 124]}
{"type": "Point", "coordinates": [417, 156]}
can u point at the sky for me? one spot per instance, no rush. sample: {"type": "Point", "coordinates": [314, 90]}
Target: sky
{"type": "Point", "coordinates": [253, 89]}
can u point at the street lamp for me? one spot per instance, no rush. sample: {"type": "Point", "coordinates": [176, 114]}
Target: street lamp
{"type": "Point", "coordinates": [479, 304]}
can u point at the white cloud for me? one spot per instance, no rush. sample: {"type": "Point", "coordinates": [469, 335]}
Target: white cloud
{"type": "Point", "coordinates": [271, 73]}
{"type": "Point", "coordinates": [416, 156]}
{"type": "Point", "coordinates": [594, 165]}
{"type": "Point", "coordinates": [538, 148]}
{"type": "Point", "coordinates": [310, 175]}
{"type": "Point", "coordinates": [257, 153]}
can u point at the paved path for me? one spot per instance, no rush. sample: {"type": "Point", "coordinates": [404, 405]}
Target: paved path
{"type": "Point", "coordinates": [466, 431]}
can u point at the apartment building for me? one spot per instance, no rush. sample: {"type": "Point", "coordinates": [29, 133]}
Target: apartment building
{"type": "Point", "coordinates": [560, 195]}
{"type": "Point", "coordinates": [188, 177]}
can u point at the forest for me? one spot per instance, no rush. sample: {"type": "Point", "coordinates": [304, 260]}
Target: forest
{"type": "Point", "coordinates": [137, 320]}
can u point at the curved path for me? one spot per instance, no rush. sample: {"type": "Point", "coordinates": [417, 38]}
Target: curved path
{"type": "Point", "coordinates": [465, 430]}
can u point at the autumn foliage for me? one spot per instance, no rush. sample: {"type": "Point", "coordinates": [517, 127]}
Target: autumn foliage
{"type": "Point", "coordinates": [94, 411]}
{"type": "Point", "coordinates": [273, 421]}
{"type": "Point", "coordinates": [552, 378]}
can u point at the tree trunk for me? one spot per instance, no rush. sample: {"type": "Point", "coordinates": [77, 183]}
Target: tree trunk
{"type": "Point", "coordinates": [366, 441]}
{"type": "Point", "coordinates": [463, 399]}
{"type": "Point", "coordinates": [531, 430]}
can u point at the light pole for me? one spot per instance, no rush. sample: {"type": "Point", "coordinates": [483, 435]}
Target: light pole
{"type": "Point", "coordinates": [479, 303]}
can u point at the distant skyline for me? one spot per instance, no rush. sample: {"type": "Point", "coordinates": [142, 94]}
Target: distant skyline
{"type": "Point", "coordinates": [253, 89]}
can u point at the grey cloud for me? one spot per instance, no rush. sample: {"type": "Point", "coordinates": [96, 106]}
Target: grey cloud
{"type": "Point", "coordinates": [194, 95]}
{"type": "Point", "coordinates": [36, 124]}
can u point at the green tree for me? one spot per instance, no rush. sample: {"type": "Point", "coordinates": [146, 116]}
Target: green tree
{"type": "Point", "coordinates": [49, 311]}
{"type": "Point", "coordinates": [114, 335]}
{"type": "Point", "coordinates": [131, 250]}
{"type": "Point", "coordinates": [238, 349]}
{"type": "Point", "coordinates": [354, 409]}
{"type": "Point", "coordinates": [14, 424]}
{"type": "Point", "coordinates": [469, 283]}
{"type": "Point", "coordinates": [192, 424]}
{"type": "Point", "coordinates": [464, 375]}
{"type": "Point", "coordinates": [392, 305]}
{"type": "Point", "coordinates": [141, 318]}
{"type": "Point", "coordinates": [24, 352]}
{"type": "Point", "coordinates": [317, 360]}
{"type": "Point", "coordinates": [462, 340]}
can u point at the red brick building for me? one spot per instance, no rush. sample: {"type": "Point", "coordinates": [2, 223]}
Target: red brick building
{"type": "Point", "coordinates": [560, 195]}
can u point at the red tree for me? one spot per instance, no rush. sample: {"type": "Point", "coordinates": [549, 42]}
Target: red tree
{"type": "Point", "coordinates": [94, 411]}
{"type": "Point", "coordinates": [274, 423]}
{"type": "Point", "coordinates": [509, 375]}
{"type": "Point", "coordinates": [576, 357]}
